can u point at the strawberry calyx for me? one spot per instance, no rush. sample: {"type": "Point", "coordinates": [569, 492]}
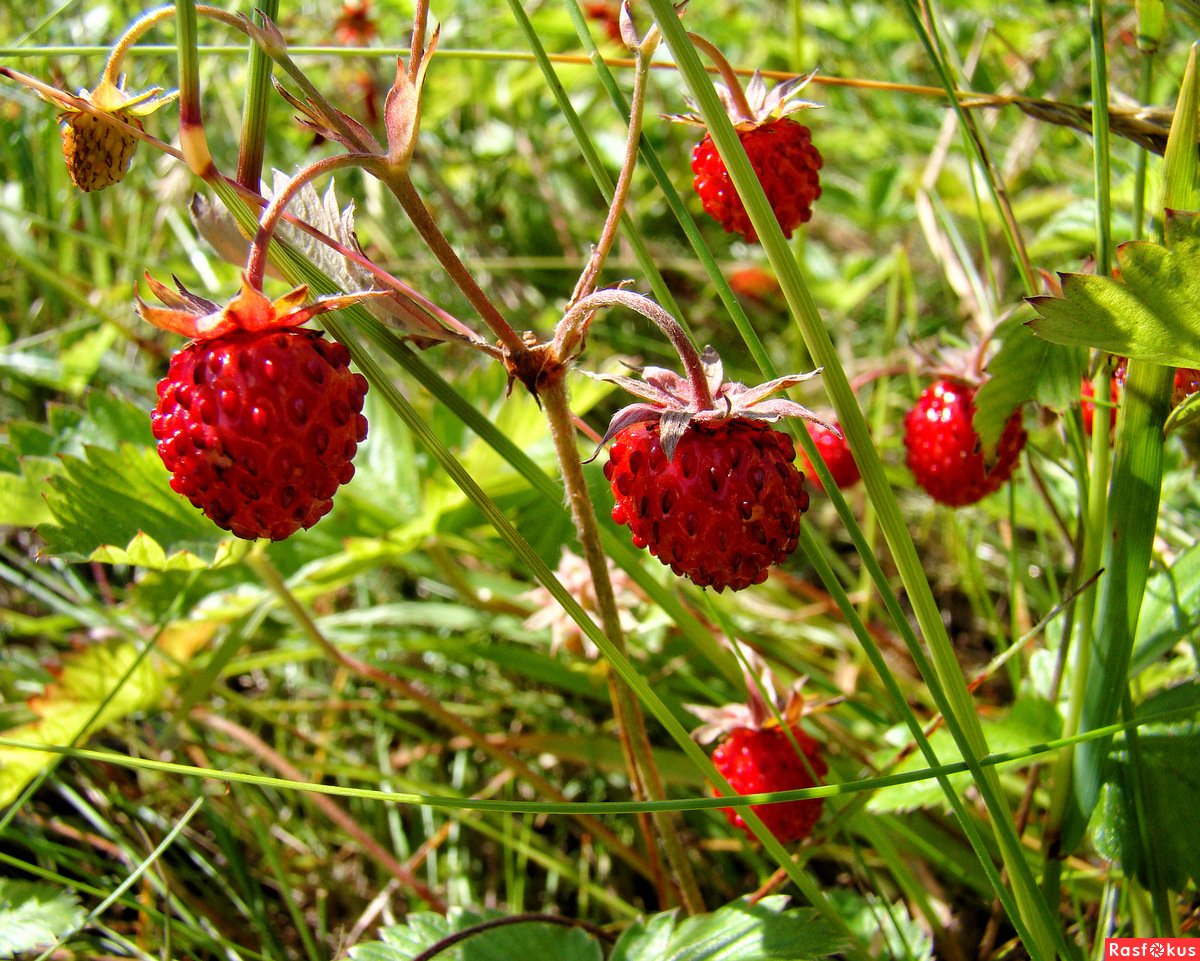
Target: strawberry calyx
{"type": "Point", "coordinates": [676, 402]}
{"type": "Point", "coordinates": [756, 105]}
{"type": "Point", "coordinates": [249, 310]}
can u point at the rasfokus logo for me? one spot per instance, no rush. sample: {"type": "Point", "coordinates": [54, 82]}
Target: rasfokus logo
{"type": "Point", "coordinates": [1151, 948]}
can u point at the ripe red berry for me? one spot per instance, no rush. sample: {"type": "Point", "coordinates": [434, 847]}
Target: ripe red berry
{"type": "Point", "coordinates": [782, 154]}
{"type": "Point", "coordinates": [1187, 382]}
{"type": "Point", "coordinates": [943, 448]}
{"type": "Point", "coordinates": [755, 761]}
{"type": "Point", "coordinates": [258, 428]}
{"type": "Point", "coordinates": [835, 452]}
{"type": "Point", "coordinates": [1087, 404]}
{"type": "Point", "coordinates": [722, 510]}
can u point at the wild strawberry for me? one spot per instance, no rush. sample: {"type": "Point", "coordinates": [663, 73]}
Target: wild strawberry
{"type": "Point", "coordinates": [608, 15]}
{"type": "Point", "coordinates": [355, 27]}
{"type": "Point", "coordinates": [701, 480]}
{"type": "Point", "coordinates": [943, 447]}
{"type": "Point", "coordinates": [721, 511]}
{"type": "Point", "coordinates": [835, 452]}
{"type": "Point", "coordinates": [256, 420]}
{"type": "Point", "coordinates": [98, 151]}
{"type": "Point", "coordinates": [757, 755]}
{"type": "Point", "coordinates": [780, 150]}
{"type": "Point", "coordinates": [757, 761]}
{"type": "Point", "coordinates": [1087, 402]}
{"type": "Point", "coordinates": [1187, 382]}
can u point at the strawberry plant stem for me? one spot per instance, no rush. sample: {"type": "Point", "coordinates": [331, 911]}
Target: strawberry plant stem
{"type": "Point", "coordinates": [634, 738]}
{"type": "Point", "coordinates": [587, 279]}
{"type": "Point", "coordinates": [574, 324]}
{"type": "Point", "coordinates": [256, 261]}
{"type": "Point", "coordinates": [732, 84]}
{"type": "Point", "coordinates": [402, 187]}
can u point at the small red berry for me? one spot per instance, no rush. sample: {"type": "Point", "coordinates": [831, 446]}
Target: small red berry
{"type": "Point", "coordinates": [258, 428]}
{"type": "Point", "coordinates": [722, 510]}
{"type": "Point", "coordinates": [756, 761]}
{"type": "Point", "coordinates": [944, 451]}
{"type": "Point", "coordinates": [783, 157]}
{"type": "Point", "coordinates": [1187, 382]}
{"type": "Point", "coordinates": [835, 452]}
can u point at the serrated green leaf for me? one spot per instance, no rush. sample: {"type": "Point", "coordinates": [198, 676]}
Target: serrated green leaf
{"type": "Point", "coordinates": [763, 931]}
{"type": "Point", "coordinates": [1026, 368]}
{"type": "Point", "coordinates": [34, 916]}
{"type": "Point", "coordinates": [1168, 770]}
{"type": "Point", "coordinates": [1170, 610]}
{"type": "Point", "coordinates": [645, 939]}
{"type": "Point", "coordinates": [1152, 314]}
{"type": "Point", "coordinates": [117, 505]}
{"type": "Point", "coordinates": [70, 708]}
{"type": "Point", "coordinates": [887, 928]}
{"type": "Point", "coordinates": [22, 503]}
{"type": "Point", "coordinates": [524, 939]}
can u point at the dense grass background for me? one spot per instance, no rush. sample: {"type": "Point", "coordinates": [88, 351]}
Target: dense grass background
{"type": "Point", "coordinates": [417, 674]}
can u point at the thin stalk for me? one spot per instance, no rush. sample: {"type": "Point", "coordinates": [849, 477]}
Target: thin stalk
{"type": "Point", "coordinates": [143, 24]}
{"type": "Point", "coordinates": [1100, 141]}
{"type": "Point", "coordinates": [256, 261]}
{"type": "Point", "coordinates": [570, 330]}
{"type": "Point", "coordinates": [587, 280]}
{"type": "Point", "coordinates": [736, 94]}
{"type": "Point", "coordinates": [634, 739]}
{"type": "Point", "coordinates": [402, 187]}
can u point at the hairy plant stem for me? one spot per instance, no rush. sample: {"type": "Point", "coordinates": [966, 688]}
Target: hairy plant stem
{"type": "Point", "coordinates": [401, 186]}
{"type": "Point", "coordinates": [256, 261]}
{"type": "Point", "coordinates": [732, 84]}
{"type": "Point", "coordinates": [573, 325]}
{"type": "Point", "coordinates": [143, 24]}
{"type": "Point", "coordinates": [628, 715]}
{"type": "Point", "coordinates": [641, 74]}
{"type": "Point", "coordinates": [258, 561]}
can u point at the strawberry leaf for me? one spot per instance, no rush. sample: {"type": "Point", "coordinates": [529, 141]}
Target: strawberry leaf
{"type": "Point", "coordinates": [77, 703]}
{"type": "Point", "coordinates": [763, 931]}
{"type": "Point", "coordinates": [34, 916]}
{"type": "Point", "coordinates": [503, 942]}
{"type": "Point", "coordinates": [1025, 369]}
{"type": "Point", "coordinates": [1167, 769]}
{"type": "Point", "coordinates": [115, 506]}
{"type": "Point", "coordinates": [1152, 314]}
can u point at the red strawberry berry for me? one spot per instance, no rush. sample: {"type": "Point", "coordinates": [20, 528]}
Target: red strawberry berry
{"type": "Point", "coordinates": [257, 420]}
{"type": "Point", "coordinates": [759, 760]}
{"type": "Point", "coordinates": [835, 452]}
{"type": "Point", "coordinates": [782, 154]}
{"type": "Point", "coordinates": [258, 429]}
{"type": "Point", "coordinates": [943, 447]}
{"type": "Point", "coordinates": [722, 510]}
{"type": "Point", "coordinates": [1187, 382]}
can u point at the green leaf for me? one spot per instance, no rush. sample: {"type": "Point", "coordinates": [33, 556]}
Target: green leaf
{"type": "Point", "coordinates": [888, 928]}
{"type": "Point", "coordinates": [34, 916]}
{"type": "Point", "coordinates": [1168, 770]}
{"type": "Point", "coordinates": [520, 939]}
{"type": "Point", "coordinates": [116, 506]}
{"type": "Point", "coordinates": [741, 931]}
{"type": "Point", "coordinates": [1026, 368]}
{"type": "Point", "coordinates": [1170, 610]}
{"type": "Point", "coordinates": [77, 704]}
{"type": "Point", "coordinates": [1152, 314]}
